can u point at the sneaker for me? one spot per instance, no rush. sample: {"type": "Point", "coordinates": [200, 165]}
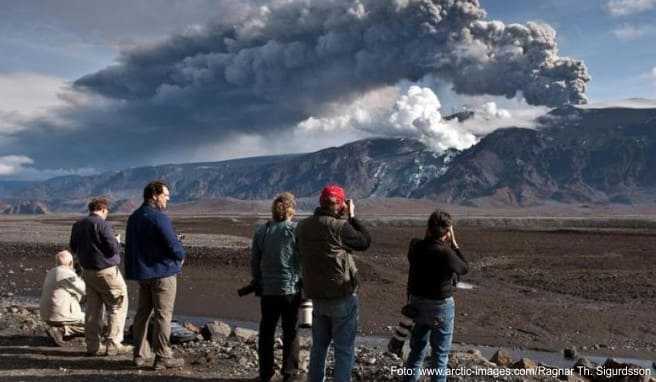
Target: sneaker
{"type": "Point", "coordinates": [168, 363]}
{"type": "Point", "coordinates": [113, 349]}
{"type": "Point", "coordinates": [101, 351]}
{"type": "Point", "coordinates": [56, 334]}
{"type": "Point", "coordinates": [141, 362]}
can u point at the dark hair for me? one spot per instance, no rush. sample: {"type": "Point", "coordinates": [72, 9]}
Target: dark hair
{"type": "Point", "coordinates": [439, 223]}
{"type": "Point", "coordinates": [154, 188]}
{"type": "Point", "coordinates": [283, 206]}
{"type": "Point", "coordinates": [98, 204]}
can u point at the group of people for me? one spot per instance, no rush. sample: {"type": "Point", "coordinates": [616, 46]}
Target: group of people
{"type": "Point", "coordinates": [290, 261]}
{"type": "Point", "coordinates": [312, 259]}
{"type": "Point", "coordinates": [153, 258]}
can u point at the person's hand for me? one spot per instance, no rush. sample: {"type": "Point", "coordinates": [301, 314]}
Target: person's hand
{"type": "Point", "coordinates": [118, 238]}
{"type": "Point", "coordinates": [452, 236]}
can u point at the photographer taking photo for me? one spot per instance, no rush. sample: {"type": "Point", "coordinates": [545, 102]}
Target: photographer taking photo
{"type": "Point", "coordinates": [275, 271]}
{"type": "Point", "coordinates": [434, 261]}
{"type": "Point", "coordinates": [325, 241]}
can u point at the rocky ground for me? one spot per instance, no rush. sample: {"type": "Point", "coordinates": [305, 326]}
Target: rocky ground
{"type": "Point", "coordinates": [587, 285]}
{"type": "Point", "coordinates": [224, 353]}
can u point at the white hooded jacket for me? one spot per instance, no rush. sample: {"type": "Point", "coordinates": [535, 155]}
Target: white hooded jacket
{"type": "Point", "coordinates": [61, 295]}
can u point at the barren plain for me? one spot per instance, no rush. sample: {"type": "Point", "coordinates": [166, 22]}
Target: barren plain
{"type": "Point", "coordinates": [544, 283]}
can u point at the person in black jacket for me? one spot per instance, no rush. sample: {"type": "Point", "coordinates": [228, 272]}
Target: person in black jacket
{"type": "Point", "coordinates": [325, 241]}
{"type": "Point", "coordinates": [433, 263]}
{"type": "Point", "coordinates": [97, 249]}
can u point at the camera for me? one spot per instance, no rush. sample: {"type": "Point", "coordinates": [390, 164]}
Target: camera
{"type": "Point", "coordinates": [252, 287]}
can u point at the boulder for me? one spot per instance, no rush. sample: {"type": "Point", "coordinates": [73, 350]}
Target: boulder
{"type": "Point", "coordinates": [570, 353]}
{"type": "Point", "coordinates": [303, 360]}
{"type": "Point", "coordinates": [524, 363]}
{"type": "Point", "coordinates": [245, 334]}
{"type": "Point", "coordinates": [215, 330]}
{"type": "Point", "coordinates": [501, 358]}
{"type": "Point", "coordinates": [191, 327]}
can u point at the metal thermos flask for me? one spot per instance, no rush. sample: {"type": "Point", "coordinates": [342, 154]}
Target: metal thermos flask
{"type": "Point", "coordinates": [306, 314]}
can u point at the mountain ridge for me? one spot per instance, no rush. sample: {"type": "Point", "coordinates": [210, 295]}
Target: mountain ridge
{"type": "Point", "coordinates": [576, 155]}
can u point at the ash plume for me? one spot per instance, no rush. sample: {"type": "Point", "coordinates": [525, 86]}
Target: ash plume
{"type": "Point", "coordinates": [287, 60]}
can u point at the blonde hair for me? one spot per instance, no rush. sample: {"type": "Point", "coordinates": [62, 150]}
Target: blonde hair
{"type": "Point", "coordinates": [283, 206]}
{"type": "Point", "coordinates": [64, 258]}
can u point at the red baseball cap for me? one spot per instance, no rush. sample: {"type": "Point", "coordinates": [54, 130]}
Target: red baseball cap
{"type": "Point", "coordinates": [333, 191]}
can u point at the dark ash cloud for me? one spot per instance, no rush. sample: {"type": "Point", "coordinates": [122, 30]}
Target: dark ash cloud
{"type": "Point", "coordinates": [283, 63]}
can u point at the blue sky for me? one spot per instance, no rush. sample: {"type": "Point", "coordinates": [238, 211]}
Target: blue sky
{"type": "Point", "coordinates": [47, 126]}
{"type": "Point", "coordinates": [618, 49]}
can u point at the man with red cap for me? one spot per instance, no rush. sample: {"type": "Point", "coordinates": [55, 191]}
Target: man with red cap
{"type": "Point", "coordinates": [325, 241]}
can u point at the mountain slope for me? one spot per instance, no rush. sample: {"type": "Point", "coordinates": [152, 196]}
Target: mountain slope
{"type": "Point", "coordinates": [577, 155]}
{"type": "Point", "coordinates": [591, 154]}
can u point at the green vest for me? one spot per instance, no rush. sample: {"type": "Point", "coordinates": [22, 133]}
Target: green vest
{"type": "Point", "coordinates": [327, 265]}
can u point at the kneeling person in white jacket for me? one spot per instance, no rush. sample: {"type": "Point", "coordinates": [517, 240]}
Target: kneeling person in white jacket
{"type": "Point", "coordinates": [60, 307]}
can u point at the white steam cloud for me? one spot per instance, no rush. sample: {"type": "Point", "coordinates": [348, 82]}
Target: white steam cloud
{"type": "Point", "coordinates": [413, 110]}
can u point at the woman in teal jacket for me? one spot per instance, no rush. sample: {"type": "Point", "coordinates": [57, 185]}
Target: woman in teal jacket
{"type": "Point", "coordinates": [275, 270]}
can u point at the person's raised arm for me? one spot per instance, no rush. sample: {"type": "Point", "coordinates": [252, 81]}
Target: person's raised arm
{"type": "Point", "coordinates": [355, 235]}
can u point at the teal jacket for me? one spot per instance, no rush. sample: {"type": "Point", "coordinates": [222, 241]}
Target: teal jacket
{"type": "Point", "coordinates": [274, 259]}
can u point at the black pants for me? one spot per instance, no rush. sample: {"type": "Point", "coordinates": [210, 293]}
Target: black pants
{"type": "Point", "coordinates": [273, 308]}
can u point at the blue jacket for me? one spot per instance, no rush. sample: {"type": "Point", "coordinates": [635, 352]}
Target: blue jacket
{"type": "Point", "coordinates": [152, 249]}
{"type": "Point", "coordinates": [274, 259]}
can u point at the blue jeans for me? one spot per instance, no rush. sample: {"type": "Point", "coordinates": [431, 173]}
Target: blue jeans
{"type": "Point", "coordinates": [434, 324]}
{"type": "Point", "coordinates": [333, 320]}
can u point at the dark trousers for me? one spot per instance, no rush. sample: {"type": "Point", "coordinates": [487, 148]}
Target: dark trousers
{"type": "Point", "coordinates": [273, 308]}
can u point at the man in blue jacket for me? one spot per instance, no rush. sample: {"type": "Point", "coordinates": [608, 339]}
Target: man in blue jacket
{"type": "Point", "coordinates": [153, 257]}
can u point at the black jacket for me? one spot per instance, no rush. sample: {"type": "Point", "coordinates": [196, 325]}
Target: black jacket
{"type": "Point", "coordinates": [432, 266]}
{"type": "Point", "coordinates": [324, 243]}
{"type": "Point", "coordinates": [94, 244]}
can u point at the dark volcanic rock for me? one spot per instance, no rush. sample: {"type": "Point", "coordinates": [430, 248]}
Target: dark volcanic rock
{"type": "Point", "coordinates": [25, 207]}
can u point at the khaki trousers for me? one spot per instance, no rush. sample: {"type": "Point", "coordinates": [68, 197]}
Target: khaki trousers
{"type": "Point", "coordinates": [71, 328]}
{"type": "Point", "coordinates": [106, 291]}
{"type": "Point", "coordinates": [156, 300]}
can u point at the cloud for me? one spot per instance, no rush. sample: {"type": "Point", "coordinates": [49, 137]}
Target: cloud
{"type": "Point", "coordinates": [629, 7]}
{"type": "Point", "coordinates": [26, 96]}
{"type": "Point", "coordinates": [10, 164]}
{"type": "Point", "coordinates": [287, 62]}
{"type": "Point", "coordinates": [628, 32]}
{"type": "Point", "coordinates": [413, 109]}
{"type": "Point", "coordinates": [18, 167]}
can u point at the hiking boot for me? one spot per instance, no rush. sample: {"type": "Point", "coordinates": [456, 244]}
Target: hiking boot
{"type": "Point", "coordinates": [168, 363]}
{"type": "Point", "coordinates": [56, 334]}
{"type": "Point", "coordinates": [141, 361]}
{"type": "Point", "coordinates": [114, 349]}
{"type": "Point", "coordinates": [101, 351]}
